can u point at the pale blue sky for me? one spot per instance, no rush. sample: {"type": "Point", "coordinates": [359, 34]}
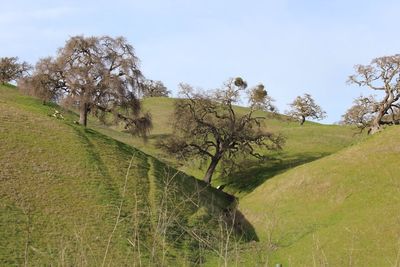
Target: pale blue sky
{"type": "Point", "coordinates": [291, 46]}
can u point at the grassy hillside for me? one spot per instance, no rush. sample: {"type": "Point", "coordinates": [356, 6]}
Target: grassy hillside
{"type": "Point", "coordinates": [342, 210]}
{"type": "Point", "coordinates": [78, 196]}
{"type": "Point", "coordinates": [72, 196]}
{"type": "Point", "coordinates": [304, 144]}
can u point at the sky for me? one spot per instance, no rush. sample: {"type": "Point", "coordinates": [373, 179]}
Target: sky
{"type": "Point", "coordinates": [291, 46]}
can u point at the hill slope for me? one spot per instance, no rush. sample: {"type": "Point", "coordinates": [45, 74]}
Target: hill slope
{"type": "Point", "coordinates": [304, 144]}
{"type": "Point", "coordinates": [72, 196]}
{"type": "Point", "coordinates": [342, 210]}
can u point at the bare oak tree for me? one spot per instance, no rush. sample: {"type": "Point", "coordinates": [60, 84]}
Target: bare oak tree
{"type": "Point", "coordinates": [98, 75]}
{"type": "Point", "coordinates": [305, 107]}
{"type": "Point", "coordinates": [382, 75]}
{"type": "Point", "coordinates": [154, 89]}
{"type": "Point", "coordinates": [12, 70]}
{"type": "Point", "coordinates": [361, 114]}
{"type": "Point", "coordinates": [207, 125]}
{"type": "Point", "coordinates": [45, 83]}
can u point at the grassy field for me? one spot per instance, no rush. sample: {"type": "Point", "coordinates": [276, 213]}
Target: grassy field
{"type": "Point", "coordinates": [75, 197]}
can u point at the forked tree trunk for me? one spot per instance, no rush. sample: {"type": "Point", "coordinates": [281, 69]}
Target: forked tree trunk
{"type": "Point", "coordinates": [210, 171]}
{"type": "Point", "coordinates": [83, 112]}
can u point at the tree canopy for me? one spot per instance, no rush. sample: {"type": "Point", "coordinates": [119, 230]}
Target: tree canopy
{"type": "Point", "coordinates": [98, 75]}
{"type": "Point", "coordinates": [207, 125]}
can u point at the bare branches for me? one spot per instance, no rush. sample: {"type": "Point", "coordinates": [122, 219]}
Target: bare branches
{"type": "Point", "coordinates": [154, 89]}
{"type": "Point", "coordinates": [361, 113]}
{"type": "Point", "coordinates": [208, 126]}
{"type": "Point", "coordinates": [304, 107]}
{"type": "Point", "coordinates": [382, 74]}
{"type": "Point", "coordinates": [12, 70]}
{"type": "Point", "coordinates": [97, 75]}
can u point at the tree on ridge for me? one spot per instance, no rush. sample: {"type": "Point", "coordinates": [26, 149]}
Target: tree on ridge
{"type": "Point", "coordinates": [305, 107]}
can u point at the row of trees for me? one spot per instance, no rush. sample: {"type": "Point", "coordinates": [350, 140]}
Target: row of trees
{"type": "Point", "coordinates": [209, 127]}
{"type": "Point", "coordinates": [101, 75]}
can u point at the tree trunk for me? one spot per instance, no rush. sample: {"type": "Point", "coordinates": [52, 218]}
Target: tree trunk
{"type": "Point", "coordinates": [383, 108]}
{"type": "Point", "coordinates": [376, 123]}
{"type": "Point", "coordinates": [211, 169]}
{"type": "Point", "coordinates": [303, 119]}
{"type": "Point", "coordinates": [83, 114]}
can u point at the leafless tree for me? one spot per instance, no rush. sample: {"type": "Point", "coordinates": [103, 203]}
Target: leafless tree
{"type": "Point", "coordinates": [12, 70]}
{"type": "Point", "coordinates": [383, 75]}
{"type": "Point", "coordinates": [208, 126]}
{"type": "Point", "coordinates": [99, 75]}
{"type": "Point", "coordinates": [45, 83]}
{"type": "Point", "coordinates": [305, 107]}
{"type": "Point", "coordinates": [361, 113]}
{"type": "Point", "coordinates": [154, 89]}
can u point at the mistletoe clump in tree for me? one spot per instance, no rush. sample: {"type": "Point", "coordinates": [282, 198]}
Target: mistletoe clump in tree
{"type": "Point", "coordinates": [208, 126]}
{"type": "Point", "coordinates": [97, 75]}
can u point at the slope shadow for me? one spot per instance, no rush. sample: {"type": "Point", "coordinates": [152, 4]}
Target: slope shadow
{"type": "Point", "coordinates": [185, 183]}
{"type": "Point", "coordinates": [255, 173]}
{"type": "Point", "coordinates": [105, 181]}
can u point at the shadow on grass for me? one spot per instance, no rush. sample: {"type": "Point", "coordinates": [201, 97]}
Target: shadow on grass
{"type": "Point", "coordinates": [105, 183]}
{"type": "Point", "coordinates": [184, 183]}
{"type": "Point", "coordinates": [244, 227]}
{"type": "Point", "coordinates": [255, 173]}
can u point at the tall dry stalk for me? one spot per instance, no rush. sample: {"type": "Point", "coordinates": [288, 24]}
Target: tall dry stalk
{"type": "Point", "coordinates": [119, 211]}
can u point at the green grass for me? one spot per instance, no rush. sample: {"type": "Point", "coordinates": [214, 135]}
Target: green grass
{"type": "Point", "coordinates": [62, 184]}
{"type": "Point", "coordinates": [331, 197]}
{"type": "Point", "coordinates": [304, 144]}
{"type": "Point", "coordinates": [342, 210]}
